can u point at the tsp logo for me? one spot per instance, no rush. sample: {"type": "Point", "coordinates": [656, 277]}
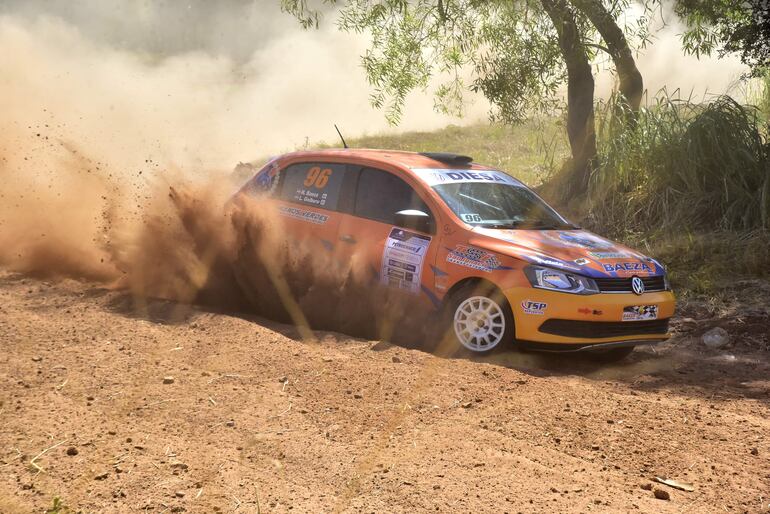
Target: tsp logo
{"type": "Point", "coordinates": [530, 307]}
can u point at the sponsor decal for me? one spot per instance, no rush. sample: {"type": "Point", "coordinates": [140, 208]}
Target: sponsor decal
{"type": "Point", "coordinates": [402, 259]}
{"type": "Point", "coordinates": [435, 177]}
{"type": "Point", "coordinates": [640, 312]}
{"type": "Point", "coordinates": [304, 215]}
{"type": "Point", "coordinates": [586, 311]}
{"type": "Point", "coordinates": [627, 266]}
{"type": "Point", "coordinates": [578, 240]}
{"type": "Point", "coordinates": [605, 256]}
{"type": "Point", "coordinates": [408, 248]}
{"type": "Point", "coordinates": [536, 308]}
{"type": "Point", "coordinates": [474, 258]}
{"type": "Point", "coordinates": [547, 261]}
{"type": "Point", "coordinates": [581, 261]}
{"type": "Point", "coordinates": [266, 179]}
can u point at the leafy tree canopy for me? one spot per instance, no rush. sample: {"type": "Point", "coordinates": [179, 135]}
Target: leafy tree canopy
{"type": "Point", "coordinates": [507, 50]}
{"type": "Point", "coordinates": [727, 26]}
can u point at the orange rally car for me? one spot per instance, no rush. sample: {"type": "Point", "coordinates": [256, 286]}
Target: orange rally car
{"type": "Point", "coordinates": [475, 242]}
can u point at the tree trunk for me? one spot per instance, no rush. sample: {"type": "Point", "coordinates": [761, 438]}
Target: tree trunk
{"type": "Point", "coordinates": [580, 94]}
{"type": "Point", "coordinates": [631, 85]}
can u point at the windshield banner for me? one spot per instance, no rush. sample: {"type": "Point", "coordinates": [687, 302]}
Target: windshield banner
{"type": "Point", "coordinates": [435, 177]}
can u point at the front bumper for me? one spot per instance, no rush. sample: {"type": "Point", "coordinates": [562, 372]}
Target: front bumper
{"type": "Point", "coordinates": [576, 322]}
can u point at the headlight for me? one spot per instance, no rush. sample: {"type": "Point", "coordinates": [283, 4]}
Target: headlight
{"type": "Point", "coordinates": [547, 278]}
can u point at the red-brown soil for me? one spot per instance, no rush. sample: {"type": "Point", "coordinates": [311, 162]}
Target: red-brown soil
{"type": "Point", "coordinates": [258, 420]}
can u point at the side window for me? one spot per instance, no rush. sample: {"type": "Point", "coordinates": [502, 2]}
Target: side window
{"type": "Point", "coordinates": [311, 183]}
{"type": "Point", "coordinates": [380, 195]}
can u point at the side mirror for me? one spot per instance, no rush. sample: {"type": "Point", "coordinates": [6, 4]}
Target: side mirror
{"type": "Point", "coordinates": [415, 220]}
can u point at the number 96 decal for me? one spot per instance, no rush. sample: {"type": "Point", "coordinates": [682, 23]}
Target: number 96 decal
{"type": "Point", "coordinates": [471, 218]}
{"type": "Point", "coordinates": [317, 177]}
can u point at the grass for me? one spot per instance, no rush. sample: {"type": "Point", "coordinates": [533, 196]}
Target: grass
{"type": "Point", "coordinates": [683, 166]}
{"type": "Point", "coordinates": [757, 93]}
{"type": "Point", "coordinates": [704, 263]}
{"type": "Point", "coordinates": [58, 507]}
{"type": "Point", "coordinates": [528, 151]}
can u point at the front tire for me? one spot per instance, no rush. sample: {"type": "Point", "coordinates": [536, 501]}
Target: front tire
{"type": "Point", "coordinates": [479, 318]}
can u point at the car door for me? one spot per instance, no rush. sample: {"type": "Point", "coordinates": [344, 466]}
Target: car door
{"type": "Point", "coordinates": [307, 198]}
{"type": "Point", "coordinates": [371, 241]}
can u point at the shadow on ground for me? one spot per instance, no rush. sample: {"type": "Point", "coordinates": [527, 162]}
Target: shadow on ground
{"type": "Point", "coordinates": [675, 366]}
{"type": "Point", "coordinates": [679, 366]}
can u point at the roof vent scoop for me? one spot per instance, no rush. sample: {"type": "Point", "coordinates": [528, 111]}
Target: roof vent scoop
{"type": "Point", "coordinates": [449, 158]}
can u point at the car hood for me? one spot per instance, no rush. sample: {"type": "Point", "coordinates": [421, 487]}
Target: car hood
{"type": "Point", "coordinates": [578, 251]}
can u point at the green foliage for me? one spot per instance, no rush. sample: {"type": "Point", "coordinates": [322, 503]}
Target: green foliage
{"type": "Point", "coordinates": [683, 166]}
{"type": "Point", "coordinates": [58, 507]}
{"type": "Point", "coordinates": [507, 50]}
{"type": "Point", "coordinates": [727, 26]}
{"type": "Point", "coordinates": [763, 100]}
{"type": "Point", "coordinates": [528, 151]}
{"type": "Point", "coordinates": [706, 262]}
{"type": "Point", "coordinates": [756, 92]}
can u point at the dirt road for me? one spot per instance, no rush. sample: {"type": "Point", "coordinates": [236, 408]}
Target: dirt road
{"type": "Point", "coordinates": [153, 406]}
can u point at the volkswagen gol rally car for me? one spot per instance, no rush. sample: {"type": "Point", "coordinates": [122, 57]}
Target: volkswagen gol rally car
{"type": "Point", "coordinates": [474, 242]}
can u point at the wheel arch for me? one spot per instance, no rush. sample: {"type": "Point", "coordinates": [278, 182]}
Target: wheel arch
{"type": "Point", "coordinates": [483, 285]}
{"type": "Point", "coordinates": [480, 282]}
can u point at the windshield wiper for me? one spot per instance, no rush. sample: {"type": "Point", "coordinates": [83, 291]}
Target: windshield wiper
{"type": "Point", "coordinates": [549, 226]}
{"type": "Point", "coordinates": [495, 225]}
{"type": "Point", "coordinates": [526, 225]}
{"type": "Point", "coordinates": [479, 201]}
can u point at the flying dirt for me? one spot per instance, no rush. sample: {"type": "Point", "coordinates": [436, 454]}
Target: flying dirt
{"type": "Point", "coordinates": [97, 186]}
{"type": "Point", "coordinates": [161, 350]}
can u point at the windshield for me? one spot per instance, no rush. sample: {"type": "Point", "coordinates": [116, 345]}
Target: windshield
{"type": "Point", "coordinates": [499, 205]}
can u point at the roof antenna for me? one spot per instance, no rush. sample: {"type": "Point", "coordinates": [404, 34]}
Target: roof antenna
{"type": "Point", "coordinates": [344, 144]}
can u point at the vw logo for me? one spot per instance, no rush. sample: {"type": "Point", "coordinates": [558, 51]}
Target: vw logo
{"type": "Point", "coordinates": [637, 285]}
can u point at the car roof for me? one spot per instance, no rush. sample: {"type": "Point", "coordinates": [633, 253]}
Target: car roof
{"type": "Point", "coordinates": [409, 160]}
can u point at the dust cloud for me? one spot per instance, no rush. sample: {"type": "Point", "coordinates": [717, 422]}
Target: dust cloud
{"type": "Point", "coordinates": [116, 158]}
{"type": "Point", "coordinates": [668, 71]}
{"type": "Point", "coordinates": [103, 101]}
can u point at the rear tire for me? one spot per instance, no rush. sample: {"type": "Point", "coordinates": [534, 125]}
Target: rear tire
{"type": "Point", "coordinates": [478, 319]}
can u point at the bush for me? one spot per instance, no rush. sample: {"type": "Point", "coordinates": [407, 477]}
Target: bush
{"type": "Point", "coordinates": [681, 167]}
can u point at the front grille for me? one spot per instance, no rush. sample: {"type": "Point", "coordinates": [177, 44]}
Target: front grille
{"type": "Point", "coordinates": [600, 329]}
{"type": "Point", "coordinates": [623, 285]}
